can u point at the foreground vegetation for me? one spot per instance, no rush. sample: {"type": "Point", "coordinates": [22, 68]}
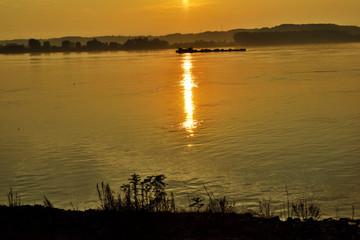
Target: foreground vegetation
{"type": "Point", "coordinates": [39, 222]}
{"type": "Point", "coordinates": [142, 209]}
{"type": "Point", "coordinates": [150, 195]}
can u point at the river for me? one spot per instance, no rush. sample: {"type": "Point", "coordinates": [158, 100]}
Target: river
{"type": "Point", "coordinates": [244, 124]}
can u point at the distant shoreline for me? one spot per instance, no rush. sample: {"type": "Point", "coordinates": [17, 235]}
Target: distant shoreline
{"type": "Point", "coordinates": [186, 45]}
{"type": "Point", "coordinates": [285, 34]}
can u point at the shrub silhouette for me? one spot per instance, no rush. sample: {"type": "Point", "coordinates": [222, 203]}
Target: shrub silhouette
{"type": "Point", "coordinates": [13, 48]}
{"type": "Point", "coordinates": [67, 45]}
{"type": "Point", "coordinates": [145, 43]}
{"type": "Point", "coordinates": [34, 44]}
{"type": "Point", "coordinates": [147, 195]}
{"type": "Point", "coordinates": [14, 199]}
{"type": "Point", "coordinates": [95, 45]}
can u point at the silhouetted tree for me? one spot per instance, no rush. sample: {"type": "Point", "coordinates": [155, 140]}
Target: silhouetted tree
{"type": "Point", "coordinates": [46, 46]}
{"type": "Point", "coordinates": [145, 43]}
{"type": "Point", "coordinates": [114, 46]}
{"type": "Point", "coordinates": [67, 45]}
{"type": "Point", "coordinates": [78, 45]}
{"type": "Point", "coordinates": [13, 48]}
{"type": "Point", "coordinates": [34, 44]}
{"type": "Point", "coordinates": [56, 49]}
{"type": "Point", "coordinates": [293, 37]}
{"type": "Point", "coordinates": [95, 45]}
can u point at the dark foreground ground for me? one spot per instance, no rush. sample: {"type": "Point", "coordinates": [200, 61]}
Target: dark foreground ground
{"type": "Point", "coordinates": [37, 222]}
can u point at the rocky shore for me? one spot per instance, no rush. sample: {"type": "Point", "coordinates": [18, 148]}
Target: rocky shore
{"type": "Point", "coordinates": [38, 222]}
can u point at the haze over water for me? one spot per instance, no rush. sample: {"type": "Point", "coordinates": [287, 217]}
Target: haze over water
{"type": "Point", "coordinates": [243, 124]}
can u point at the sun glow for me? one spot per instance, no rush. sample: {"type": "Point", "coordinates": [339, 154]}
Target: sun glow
{"type": "Point", "coordinates": [186, 3]}
{"type": "Point", "coordinates": [188, 84]}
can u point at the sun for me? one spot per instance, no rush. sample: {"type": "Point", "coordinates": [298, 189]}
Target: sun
{"type": "Point", "coordinates": [186, 3]}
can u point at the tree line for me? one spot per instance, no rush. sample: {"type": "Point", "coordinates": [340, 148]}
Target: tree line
{"type": "Point", "coordinates": [294, 37]}
{"type": "Point", "coordinates": [34, 45]}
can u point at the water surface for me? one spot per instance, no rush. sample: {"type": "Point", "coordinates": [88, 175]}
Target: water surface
{"type": "Point", "coordinates": [243, 124]}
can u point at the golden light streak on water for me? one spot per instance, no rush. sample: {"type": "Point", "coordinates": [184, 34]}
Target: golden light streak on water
{"type": "Point", "coordinates": [188, 84]}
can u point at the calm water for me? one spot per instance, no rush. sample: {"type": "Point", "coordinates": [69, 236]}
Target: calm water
{"type": "Point", "coordinates": [243, 124]}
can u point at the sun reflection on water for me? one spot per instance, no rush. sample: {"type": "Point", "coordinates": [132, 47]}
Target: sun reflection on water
{"type": "Point", "coordinates": [188, 84]}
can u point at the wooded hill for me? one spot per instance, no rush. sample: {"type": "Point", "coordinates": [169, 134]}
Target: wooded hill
{"type": "Point", "coordinates": [217, 37]}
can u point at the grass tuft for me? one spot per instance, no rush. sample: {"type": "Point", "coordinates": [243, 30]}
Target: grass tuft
{"type": "Point", "coordinates": [265, 210]}
{"type": "Point", "coordinates": [147, 195]}
{"type": "Point", "coordinates": [219, 205]}
{"type": "Point", "coordinates": [14, 199]}
{"type": "Point", "coordinates": [196, 203]}
{"type": "Point", "coordinates": [305, 208]}
{"type": "Point", "coordinates": [47, 203]}
{"type": "Point", "coordinates": [106, 197]}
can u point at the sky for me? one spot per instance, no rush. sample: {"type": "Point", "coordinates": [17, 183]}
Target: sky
{"type": "Point", "coordinates": [58, 18]}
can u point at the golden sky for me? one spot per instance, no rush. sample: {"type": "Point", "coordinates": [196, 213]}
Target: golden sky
{"type": "Point", "coordinates": [56, 18]}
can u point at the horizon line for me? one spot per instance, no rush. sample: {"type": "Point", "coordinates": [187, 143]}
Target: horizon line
{"type": "Point", "coordinates": [167, 34]}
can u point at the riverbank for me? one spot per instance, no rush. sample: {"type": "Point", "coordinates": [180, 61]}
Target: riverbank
{"type": "Point", "coordinates": [39, 222]}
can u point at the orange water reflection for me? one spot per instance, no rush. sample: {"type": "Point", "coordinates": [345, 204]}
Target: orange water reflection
{"type": "Point", "coordinates": [188, 84]}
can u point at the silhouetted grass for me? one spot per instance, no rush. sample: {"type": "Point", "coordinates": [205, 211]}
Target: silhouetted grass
{"type": "Point", "coordinates": [47, 203]}
{"type": "Point", "coordinates": [265, 208]}
{"type": "Point", "coordinates": [14, 199]}
{"type": "Point", "coordinates": [106, 197]}
{"type": "Point", "coordinates": [305, 208]}
{"type": "Point", "coordinates": [219, 205]}
{"type": "Point", "coordinates": [147, 195]}
{"type": "Point", "coordinates": [196, 203]}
